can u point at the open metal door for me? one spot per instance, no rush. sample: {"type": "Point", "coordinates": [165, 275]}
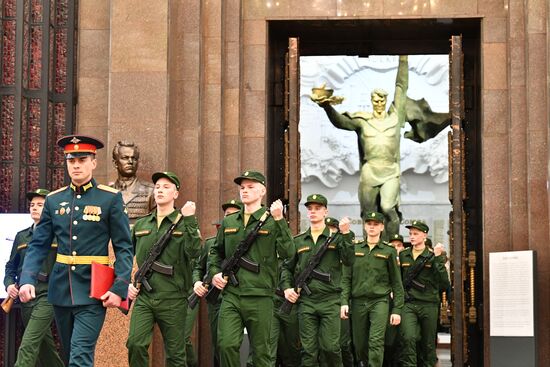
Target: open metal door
{"type": "Point", "coordinates": [292, 189]}
{"type": "Point", "coordinates": [463, 262]}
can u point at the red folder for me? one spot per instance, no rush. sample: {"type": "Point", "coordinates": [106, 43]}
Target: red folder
{"type": "Point", "coordinates": [103, 277]}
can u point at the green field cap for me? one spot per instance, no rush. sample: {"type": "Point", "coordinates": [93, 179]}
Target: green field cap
{"type": "Point", "coordinates": [167, 174]}
{"type": "Point", "coordinates": [421, 226]}
{"type": "Point", "coordinates": [250, 175]}
{"type": "Point", "coordinates": [375, 216]}
{"type": "Point", "coordinates": [316, 199]}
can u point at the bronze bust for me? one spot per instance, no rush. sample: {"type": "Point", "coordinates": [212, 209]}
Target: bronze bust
{"type": "Point", "coordinates": [137, 194]}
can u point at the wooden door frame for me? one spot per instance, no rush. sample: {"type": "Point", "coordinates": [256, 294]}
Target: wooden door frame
{"type": "Point", "coordinates": [371, 37]}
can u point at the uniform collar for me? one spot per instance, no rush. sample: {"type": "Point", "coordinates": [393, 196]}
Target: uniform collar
{"type": "Point", "coordinates": [378, 244]}
{"type": "Point", "coordinates": [256, 215]}
{"type": "Point", "coordinates": [424, 253]}
{"type": "Point", "coordinates": [172, 216]}
{"type": "Point", "coordinates": [83, 188]}
{"type": "Point", "coordinates": [326, 232]}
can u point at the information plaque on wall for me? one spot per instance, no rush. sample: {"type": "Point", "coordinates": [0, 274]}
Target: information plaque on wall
{"type": "Point", "coordinates": [512, 308]}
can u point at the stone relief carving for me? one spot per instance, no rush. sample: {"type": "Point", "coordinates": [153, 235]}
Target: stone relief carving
{"type": "Point", "coordinates": [328, 161]}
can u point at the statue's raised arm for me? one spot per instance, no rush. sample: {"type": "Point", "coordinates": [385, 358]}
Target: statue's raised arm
{"type": "Point", "coordinates": [401, 87]}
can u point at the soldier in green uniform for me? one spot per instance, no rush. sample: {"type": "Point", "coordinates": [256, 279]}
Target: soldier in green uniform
{"type": "Point", "coordinates": [421, 299]}
{"type": "Point", "coordinates": [165, 304]}
{"type": "Point", "coordinates": [318, 313]}
{"type": "Point", "coordinates": [84, 217]}
{"type": "Point", "coordinates": [345, 328]}
{"type": "Point", "coordinates": [367, 287]}
{"type": "Point", "coordinates": [392, 346]}
{"type": "Point", "coordinates": [200, 269]}
{"type": "Point", "coordinates": [285, 341]}
{"type": "Point", "coordinates": [37, 343]}
{"type": "Point", "coordinates": [396, 241]}
{"type": "Point", "coordinates": [190, 317]}
{"type": "Point", "coordinates": [248, 303]}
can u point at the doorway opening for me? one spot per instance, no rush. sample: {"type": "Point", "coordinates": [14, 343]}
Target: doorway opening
{"type": "Point", "coordinates": [369, 40]}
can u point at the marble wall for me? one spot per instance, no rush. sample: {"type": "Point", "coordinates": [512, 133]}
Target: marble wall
{"type": "Point", "coordinates": [186, 80]}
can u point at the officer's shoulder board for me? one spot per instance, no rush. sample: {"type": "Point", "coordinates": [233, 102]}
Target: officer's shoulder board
{"type": "Point", "coordinates": [57, 191]}
{"type": "Point", "coordinates": [357, 242]}
{"type": "Point", "coordinates": [107, 188]}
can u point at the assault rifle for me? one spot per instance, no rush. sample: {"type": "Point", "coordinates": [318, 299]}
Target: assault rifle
{"type": "Point", "coordinates": [232, 264]}
{"type": "Point", "coordinates": [309, 272]}
{"type": "Point", "coordinates": [410, 281]}
{"type": "Point", "coordinates": [193, 299]}
{"type": "Point", "coordinates": [151, 263]}
{"type": "Point", "coordinates": [7, 303]}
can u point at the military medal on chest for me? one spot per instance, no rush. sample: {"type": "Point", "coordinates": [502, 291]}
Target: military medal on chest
{"type": "Point", "coordinates": [63, 210]}
{"type": "Point", "coordinates": [91, 213]}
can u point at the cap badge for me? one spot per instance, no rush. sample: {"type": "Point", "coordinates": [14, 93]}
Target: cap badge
{"type": "Point", "coordinates": [75, 140]}
{"type": "Point", "coordinates": [246, 173]}
{"type": "Point", "coordinates": [232, 201]}
{"type": "Point", "coordinates": [314, 197]}
{"type": "Point", "coordinates": [373, 215]}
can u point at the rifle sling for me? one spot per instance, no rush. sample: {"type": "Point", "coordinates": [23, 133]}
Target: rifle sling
{"type": "Point", "coordinates": [415, 270]}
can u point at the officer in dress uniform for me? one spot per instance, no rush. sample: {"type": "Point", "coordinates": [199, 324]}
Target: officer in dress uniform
{"type": "Point", "coordinates": [84, 217]}
{"type": "Point", "coordinates": [37, 343]}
